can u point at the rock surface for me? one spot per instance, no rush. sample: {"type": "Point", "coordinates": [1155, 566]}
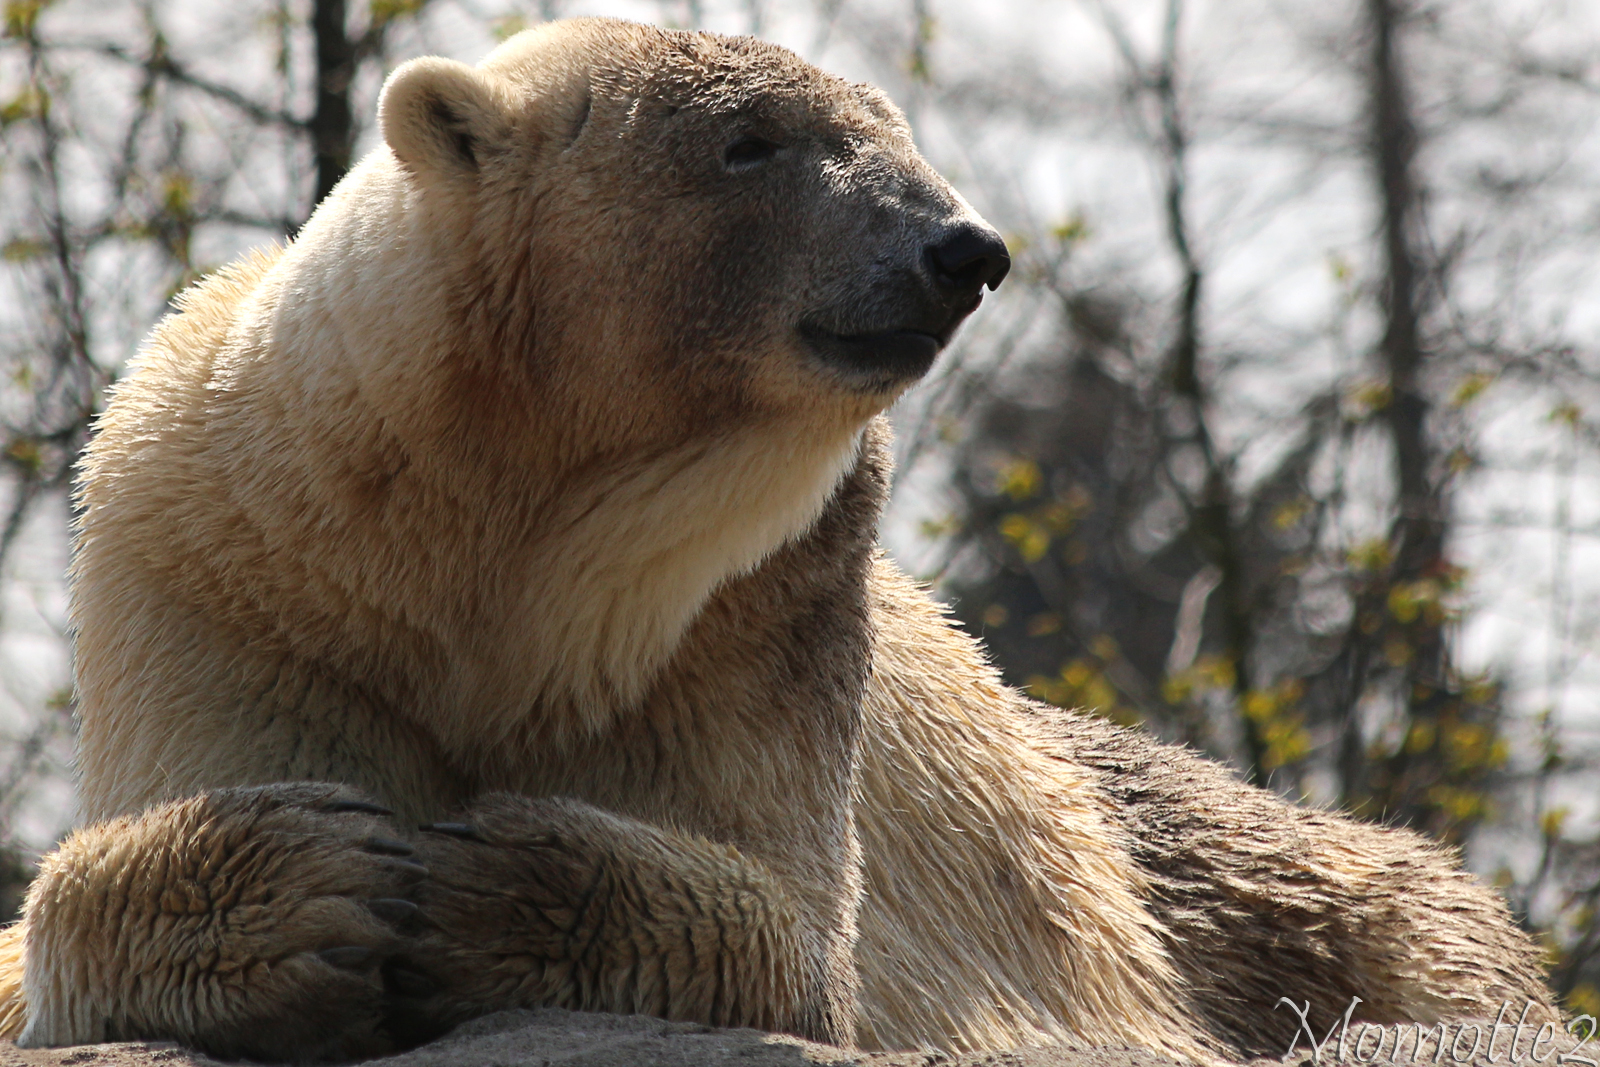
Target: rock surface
{"type": "Point", "coordinates": [554, 1038]}
{"type": "Point", "coordinates": [551, 1037]}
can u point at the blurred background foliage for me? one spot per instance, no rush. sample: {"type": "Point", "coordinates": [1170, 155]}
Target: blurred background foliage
{"type": "Point", "coordinates": [1280, 440]}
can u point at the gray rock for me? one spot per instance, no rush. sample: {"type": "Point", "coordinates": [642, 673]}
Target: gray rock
{"type": "Point", "coordinates": [554, 1038]}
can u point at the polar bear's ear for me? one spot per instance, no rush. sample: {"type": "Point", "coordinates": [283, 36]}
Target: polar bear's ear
{"type": "Point", "coordinates": [440, 117]}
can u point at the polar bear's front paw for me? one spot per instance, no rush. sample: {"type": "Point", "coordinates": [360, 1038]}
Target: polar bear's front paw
{"type": "Point", "coordinates": [552, 901]}
{"type": "Point", "coordinates": [261, 923]}
{"type": "Point", "coordinates": [521, 909]}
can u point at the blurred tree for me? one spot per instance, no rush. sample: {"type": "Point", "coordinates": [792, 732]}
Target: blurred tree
{"type": "Point", "coordinates": [1203, 628]}
{"type": "Point", "coordinates": [133, 162]}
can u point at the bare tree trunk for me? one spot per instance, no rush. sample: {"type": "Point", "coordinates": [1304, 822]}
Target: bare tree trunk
{"type": "Point", "coordinates": [1211, 518]}
{"type": "Point", "coordinates": [1420, 524]}
{"type": "Point", "coordinates": [1418, 533]}
{"type": "Point", "coordinates": [332, 124]}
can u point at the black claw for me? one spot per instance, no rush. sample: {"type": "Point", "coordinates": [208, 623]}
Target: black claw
{"type": "Point", "coordinates": [349, 957]}
{"type": "Point", "coordinates": [393, 910]}
{"type": "Point", "coordinates": [341, 806]}
{"type": "Point", "coordinates": [387, 846]}
{"type": "Point", "coordinates": [407, 982]}
{"type": "Point", "coordinates": [407, 867]}
{"type": "Point", "coordinates": [455, 829]}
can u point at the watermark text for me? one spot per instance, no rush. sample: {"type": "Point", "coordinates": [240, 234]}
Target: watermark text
{"type": "Point", "coordinates": [1405, 1042]}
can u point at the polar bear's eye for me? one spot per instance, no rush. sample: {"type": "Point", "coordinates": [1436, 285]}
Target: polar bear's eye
{"type": "Point", "coordinates": [748, 151]}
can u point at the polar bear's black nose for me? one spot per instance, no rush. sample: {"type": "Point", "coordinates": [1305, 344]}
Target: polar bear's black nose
{"type": "Point", "coordinates": [970, 258]}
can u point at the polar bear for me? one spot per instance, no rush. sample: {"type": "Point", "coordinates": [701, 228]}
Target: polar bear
{"type": "Point", "coordinates": [529, 497]}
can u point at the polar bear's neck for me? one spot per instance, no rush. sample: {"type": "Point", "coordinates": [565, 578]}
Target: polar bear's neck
{"type": "Point", "coordinates": [607, 588]}
{"type": "Point", "coordinates": [609, 598]}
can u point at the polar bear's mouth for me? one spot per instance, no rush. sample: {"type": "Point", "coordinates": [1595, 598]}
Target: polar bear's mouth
{"type": "Point", "coordinates": [892, 356]}
{"type": "Point", "coordinates": [883, 359]}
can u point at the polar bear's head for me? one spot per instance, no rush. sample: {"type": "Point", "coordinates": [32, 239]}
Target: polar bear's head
{"type": "Point", "coordinates": [708, 227]}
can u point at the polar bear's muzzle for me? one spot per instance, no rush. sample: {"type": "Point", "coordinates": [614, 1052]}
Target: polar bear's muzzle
{"type": "Point", "coordinates": [897, 324]}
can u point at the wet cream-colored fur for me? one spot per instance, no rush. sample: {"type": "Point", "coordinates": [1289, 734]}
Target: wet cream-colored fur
{"type": "Point", "coordinates": [531, 494]}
